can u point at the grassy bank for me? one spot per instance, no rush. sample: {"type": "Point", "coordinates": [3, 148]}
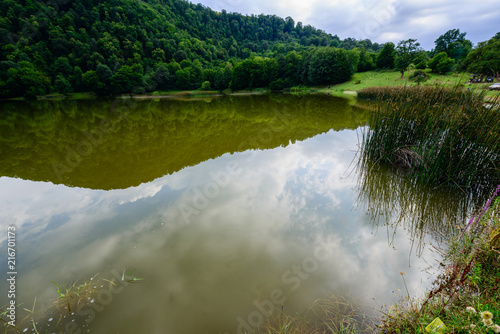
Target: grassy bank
{"type": "Point", "coordinates": [465, 297]}
{"type": "Point", "coordinates": [440, 136]}
{"type": "Point", "coordinates": [363, 80]}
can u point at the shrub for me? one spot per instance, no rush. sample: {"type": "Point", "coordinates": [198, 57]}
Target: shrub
{"type": "Point", "coordinates": [205, 85]}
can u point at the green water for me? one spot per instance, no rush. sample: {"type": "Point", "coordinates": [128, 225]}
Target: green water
{"type": "Point", "coordinates": [122, 143]}
{"type": "Point", "coordinates": [227, 207]}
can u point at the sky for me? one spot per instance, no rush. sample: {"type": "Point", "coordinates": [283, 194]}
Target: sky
{"type": "Point", "coordinates": [380, 20]}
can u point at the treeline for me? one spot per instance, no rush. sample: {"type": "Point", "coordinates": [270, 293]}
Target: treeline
{"type": "Point", "coordinates": [123, 45]}
{"type": "Point", "coordinates": [452, 52]}
{"type": "Point", "coordinates": [128, 46]}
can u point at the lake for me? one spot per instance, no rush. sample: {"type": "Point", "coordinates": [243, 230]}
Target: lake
{"type": "Point", "coordinates": [206, 215]}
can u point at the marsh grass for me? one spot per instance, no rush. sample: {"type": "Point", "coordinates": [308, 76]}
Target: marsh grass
{"type": "Point", "coordinates": [394, 202]}
{"type": "Point", "coordinates": [71, 297]}
{"type": "Point", "coordinates": [467, 286]}
{"type": "Point", "coordinates": [440, 136]}
{"type": "Point", "coordinates": [336, 314]}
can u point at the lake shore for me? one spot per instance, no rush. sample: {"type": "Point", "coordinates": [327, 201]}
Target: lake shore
{"type": "Point", "coordinates": [360, 80]}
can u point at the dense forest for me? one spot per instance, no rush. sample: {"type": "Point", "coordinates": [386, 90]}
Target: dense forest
{"type": "Point", "coordinates": [128, 46]}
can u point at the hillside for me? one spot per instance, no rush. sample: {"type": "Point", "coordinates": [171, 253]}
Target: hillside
{"type": "Point", "coordinates": [120, 46]}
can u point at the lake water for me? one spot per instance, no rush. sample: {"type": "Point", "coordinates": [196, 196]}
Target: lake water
{"type": "Point", "coordinates": [223, 209]}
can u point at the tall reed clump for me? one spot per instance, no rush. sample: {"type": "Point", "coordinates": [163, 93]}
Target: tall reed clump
{"type": "Point", "coordinates": [441, 136]}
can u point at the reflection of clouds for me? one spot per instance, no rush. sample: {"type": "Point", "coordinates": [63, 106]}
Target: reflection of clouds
{"type": "Point", "coordinates": [33, 204]}
{"type": "Point", "coordinates": [269, 217]}
{"type": "Point", "coordinates": [149, 190]}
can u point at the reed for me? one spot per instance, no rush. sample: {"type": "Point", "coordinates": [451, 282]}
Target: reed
{"type": "Point", "coordinates": [440, 136]}
{"type": "Point", "coordinates": [334, 314]}
{"type": "Point", "coordinates": [466, 292]}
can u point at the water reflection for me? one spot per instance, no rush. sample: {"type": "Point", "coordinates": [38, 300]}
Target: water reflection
{"type": "Point", "coordinates": [393, 200]}
{"type": "Point", "coordinates": [122, 143]}
{"type": "Point", "coordinates": [237, 225]}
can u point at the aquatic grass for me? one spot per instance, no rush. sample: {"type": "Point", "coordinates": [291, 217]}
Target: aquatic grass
{"type": "Point", "coordinates": [465, 296]}
{"type": "Point", "coordinates": [440, 136]}
{"type": "Point", "coordinates": [335, 314]}
{"type": "Point", "coordinates": [71, 297]}
{"type": "Point", "coordinates": [394, 202]}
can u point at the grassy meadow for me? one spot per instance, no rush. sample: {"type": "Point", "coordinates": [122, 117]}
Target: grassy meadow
{"type": "Point", "coordinates": [362, 80]}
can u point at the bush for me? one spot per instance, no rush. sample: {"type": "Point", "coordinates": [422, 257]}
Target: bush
{"type": "Point", "coordinates": [441, 63]}
{"type": "Point", "coordinates": [205, 85]}
{"type": "Point", "coordinates": [277, 84]}
{"type": "Point", "coordinates": [419, 77]}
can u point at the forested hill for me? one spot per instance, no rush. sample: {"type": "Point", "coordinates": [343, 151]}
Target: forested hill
{"type": "Point", "coordinates": [121, 46]}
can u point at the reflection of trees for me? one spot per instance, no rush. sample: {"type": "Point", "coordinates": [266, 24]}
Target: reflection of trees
{"type": "Point", "coordinates": [395, 201]}
{"type": "Point", "coordinates": [155, 137]}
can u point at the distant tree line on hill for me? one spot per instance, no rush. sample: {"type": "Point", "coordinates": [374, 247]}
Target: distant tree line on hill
{"type": "Point", "coordinates": [127, 46]}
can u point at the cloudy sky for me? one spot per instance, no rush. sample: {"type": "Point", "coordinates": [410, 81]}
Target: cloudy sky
{"type": "Point", "coordinates": [380, 20]}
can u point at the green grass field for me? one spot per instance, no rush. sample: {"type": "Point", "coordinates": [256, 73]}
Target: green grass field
{"type": "Point", "coordinates": [393, 78]}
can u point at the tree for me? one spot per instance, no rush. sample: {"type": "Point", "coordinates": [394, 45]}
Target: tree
{"type": "Point", "coordinates": [205, 85]}
{"type": "Point", "coordinates": [405, 54]}
{"type": "Point", "coordinates": [365, 61]}
{"type": "Point", "coordinates": [455, 45]}
{"type": "Point", "coordinates": [128, 79]}
{"type": "Point", "coordinates": [441, 63]}
{"type": "Point", "coordinates": [254, 72]}
{"type": "Point", "coordinates": [76, 37]}
{"type": "Point", "coordinates": [61, 66]}
{"type": "Point", "coordinates": [160, 79]}
{"type": "Point", "coordinates": [330, 66]}
{"type": "Point", "coordinates": [91, 81]}
{"type": "Point", "coordinates": [61, 85]}
{"type": "Point", "coordinates": [421, 61]}
{"type": "Point", "coordinates": [26, 80]}
{"type": "Point", "coordinates": [105, 75]}
{"type": "Point", "coordinates": [446, 65]}
{"type": "Point", "coordinates": [484, 58]}
{"type": "Point", "coordinates": [386, 57]}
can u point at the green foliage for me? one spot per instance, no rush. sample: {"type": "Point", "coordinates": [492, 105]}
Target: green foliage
{"type": "Point", "coordinates": [128, 79]}
{"type": "Point", "coordinates": [466, 292]}
{"type": "Point", "coordinates": [61, 67]}
{"type": "Point", "coordinates": [366, 62]}
{"type": "Point", "coordinates": [91, 81]}
{"type": "Point", "coordinates": [26, 80]}
{"type": "Point", "coordinates": [386, 57]}
{"type": "Point", "coordinates": [446, 65]}
{"type": "Point", "coordinates": [86, 36]}
{"type": "Point", "coordinates": [454, 44]}
{"type": "Point", "coordinates": [421, 61]}
{"type": "Point", "coordinates": [254, 72]}
{"type": "Point", "coordinates": [405, 54]}
{"type": "Point", "coordinates": [205, 85]}
{"type": "Point", "coordinates": [484, 58]}
{"type": "Point", "coordinates": [277, 84]}
{"type": "Point", "coordinates": [61, 85]}
{"type": "Point", "coordinates": [419, 77]}
{"type": "Point", "coordinates": [330, 66]}
{"type": "Point", "coordinates": [440, 136]}
{"type": "Point", "coordinates": [441, 63]}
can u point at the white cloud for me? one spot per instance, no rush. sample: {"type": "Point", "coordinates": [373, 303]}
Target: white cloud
{"type": "Point", "coordinates": [381, 21]}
